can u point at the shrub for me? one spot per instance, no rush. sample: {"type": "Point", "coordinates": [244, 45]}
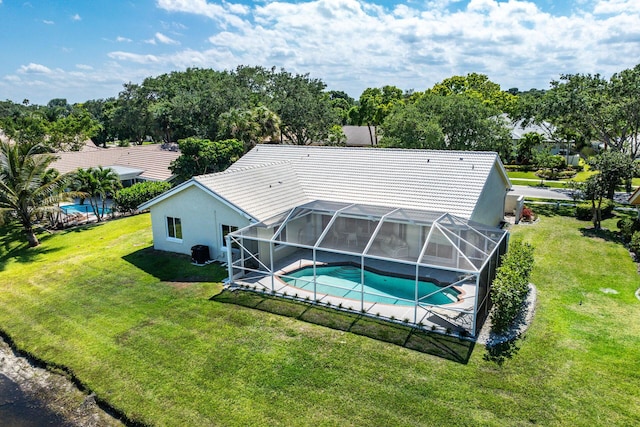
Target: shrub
{"type": "Point", "coordinates": [583, 210]}
{"type": "Point", "coordinates": [511, 285]}
{"type": "Point", "coordinates": [628, 226]}
{"type": "Point", "coordinates": [128, 199]}
{"type": "Point", "coordinates": [527, 214]}
{"type": "Point", "coordinates": [634, 245]}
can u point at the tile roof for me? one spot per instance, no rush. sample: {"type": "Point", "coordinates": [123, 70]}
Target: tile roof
{"type": "Point", "coordinates": [152, 160]}
{"type": "Point", "coordinates": [261, 190]}
{"type": "Point", "coordinates": [272, 178]}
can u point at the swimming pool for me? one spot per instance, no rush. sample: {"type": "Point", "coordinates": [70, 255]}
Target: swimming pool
{"type": "Point", "coordinates": [344, 281]}
{"type": "Point", "coordinates": [83, 209]}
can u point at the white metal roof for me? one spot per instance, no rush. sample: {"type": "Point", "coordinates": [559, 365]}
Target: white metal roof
{"type": "Point", "coordinates": [271, 179]}
{"type": "Point", "coordinates": [444, 181]}
{"type": "Point", "coordinates": [260, 190]}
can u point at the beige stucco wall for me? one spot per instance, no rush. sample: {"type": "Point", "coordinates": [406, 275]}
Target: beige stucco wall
{"type": "Point", "coordinates": [490, 207]}
{"type": "Point", "coordinates": [201, 215]}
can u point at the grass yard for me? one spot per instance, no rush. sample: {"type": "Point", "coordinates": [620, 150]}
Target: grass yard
{"type": "Point", "coordinates": [530, 179]}
{"type": "Point", "coordinates": [153, 336]}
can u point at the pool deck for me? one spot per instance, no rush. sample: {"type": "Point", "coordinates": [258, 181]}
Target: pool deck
{"type": "Point", "coordinates": [453, 316]}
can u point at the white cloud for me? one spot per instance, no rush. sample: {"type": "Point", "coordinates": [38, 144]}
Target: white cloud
{"type": "Point", "coordinates": [616, 6]}
{"type": "Point", "coordinates": [76, 17]}
{"type": "Point", "coordinates": [121, 39]}
{"type": "Point", "coordinates": [84, 67]}
{"type": "Point", "coordinates": [226, 13]}
{"type": "Point", "coordinates": [46, 21]}
{"type": "Point", "coordinates": [134, 57]}
{"type": "Point", "coordinates": [355, 44]}
{"type": "Point", "coordinates": [34, 69]}
{"type": "Point", "coordinates": [165, 39]}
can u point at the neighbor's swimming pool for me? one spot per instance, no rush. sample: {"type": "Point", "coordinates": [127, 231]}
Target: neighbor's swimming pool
{"type": "Point", "coordinates": [344, 281]}
{"type": "Point", "coordinates": [83, 209]}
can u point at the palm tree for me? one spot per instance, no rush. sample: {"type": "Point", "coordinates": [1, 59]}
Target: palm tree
{"type": "Point", "coordinates": [98, 183]}
{"type": "Point", "coordinates": [27, 187]}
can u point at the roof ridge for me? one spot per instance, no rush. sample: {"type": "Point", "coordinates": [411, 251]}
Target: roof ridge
{"type": "Point", "coordinates": [377, 148]}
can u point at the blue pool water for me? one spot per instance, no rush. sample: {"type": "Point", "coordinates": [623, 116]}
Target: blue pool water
{"type": "Point", "coordinates": [83, 209]}
{"type": "Point", "coordinates": [344, 281]}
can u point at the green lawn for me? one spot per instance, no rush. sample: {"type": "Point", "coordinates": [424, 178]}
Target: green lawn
{"type": "Point", "coordinates": [153, 336]}
{"type": "Point", "coordinates": [530, 179]}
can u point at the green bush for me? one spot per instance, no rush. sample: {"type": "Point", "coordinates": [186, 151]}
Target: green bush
{"type": "Point", "coordinates": [128, 199]}
{"type": "Point", "coordinates": [511, 285]}
{"type": "Point", "coordinates": [583, 210]}
{"type": "Point", "coordinates": [555, 174]}
{"type": "Point", "coordinates": [634, 245]}
{"type": "Point", "coordinates": [627, 227]}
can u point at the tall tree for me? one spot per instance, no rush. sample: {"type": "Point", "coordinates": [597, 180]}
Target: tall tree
{"type": "Point", "coordinates": [594, 108]}
{"type": "Point", "coordinates": [303, 107]}
{"type": "Point", "coordinates": [452, 122]}
{"type": "Point", "coordinates": [251, 126]}
{"type": "Point", "coordinates": [26, 186]}
{"type": "Point", "coordinates": [374, 106]}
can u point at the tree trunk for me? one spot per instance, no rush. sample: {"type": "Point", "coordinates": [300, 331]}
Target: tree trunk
{"type": "Point", "coordinates": [370, 134]}
{"type": "Point", "coordinates": [31, 237]}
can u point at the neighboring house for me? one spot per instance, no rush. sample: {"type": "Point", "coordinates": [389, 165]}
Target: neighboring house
{"type": "Point", "coordinates": [634, 199]}
{"type": "Point", "coordinates": [359, 136]}
{"type": "Point", "coordinates": [132, 164]}
{"type": "Point", "coordinates": [414, 212]}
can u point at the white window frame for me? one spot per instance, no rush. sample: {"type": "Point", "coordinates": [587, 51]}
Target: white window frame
{"type": "Point", "coordinates": [231, 229]}
{"type": "Point", "coordinates": [171, 227]}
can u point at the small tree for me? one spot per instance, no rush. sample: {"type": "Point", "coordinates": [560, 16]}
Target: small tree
{"type": "Point", "coordinates": [336, 136]}
{"type": "Point", "coordinates": [98, 184]}
{"type": "Point", "coordinates": [615, 168]}
{"type": "Point", "coordinates": [594, 190]}
{"type": "Point", "coordinates": [201, 156]}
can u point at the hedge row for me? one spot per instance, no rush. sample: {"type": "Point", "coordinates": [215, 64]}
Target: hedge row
{"type": "Point", "coordinates": [511, 285]}
{"type": "Point", "coordinates": [128, 199]}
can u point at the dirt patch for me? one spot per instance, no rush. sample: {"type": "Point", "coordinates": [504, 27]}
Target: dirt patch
{"type": "Point", "coordinates": [179, 285]}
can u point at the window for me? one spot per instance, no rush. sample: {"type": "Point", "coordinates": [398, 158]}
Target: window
{"type": "Point", "coordinates": [226, 229]}
{"type": "Point", "coordinates": [174, 228]}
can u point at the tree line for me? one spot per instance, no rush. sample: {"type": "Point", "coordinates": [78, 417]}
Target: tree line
{"type": "Point", "coordinates": [257, 104]}
{"type": "Point", "coordinates": [218, 115]}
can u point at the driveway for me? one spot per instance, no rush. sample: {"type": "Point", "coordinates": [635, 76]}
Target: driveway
{"type": "Point", "coordinates": [557, 193]}
{"type": "Point", "coordinates": [542, 193]}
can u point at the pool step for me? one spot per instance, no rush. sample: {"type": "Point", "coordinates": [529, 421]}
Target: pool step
{"type": "Point", "coordinates": [348, 273]}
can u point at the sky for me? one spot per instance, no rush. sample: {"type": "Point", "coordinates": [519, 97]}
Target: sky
{"type": "Point", "coordinates": [81, 50]}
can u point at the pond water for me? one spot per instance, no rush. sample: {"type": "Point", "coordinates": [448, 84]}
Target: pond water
{"type": "Point", "coordinates": [19, 410]}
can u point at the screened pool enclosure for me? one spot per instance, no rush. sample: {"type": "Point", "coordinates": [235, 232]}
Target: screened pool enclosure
{"type": "Point", "coordinates": [424, 268]}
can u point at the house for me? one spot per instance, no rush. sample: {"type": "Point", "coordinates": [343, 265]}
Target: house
{"type": "Point", "coordinates": [359, 136]}
{"type": "Point", "coordinates": [634, 199]}
{"type": "Point", "coordinates": [132, 164]}
{"type": "Point", "coordinates": [411, 213]}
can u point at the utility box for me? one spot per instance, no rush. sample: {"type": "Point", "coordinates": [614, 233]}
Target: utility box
{"type": "Point", "coordinates": [200, 254]}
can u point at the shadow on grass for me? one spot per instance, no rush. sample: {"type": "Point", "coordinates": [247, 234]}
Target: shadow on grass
{"type": "Point", "coordinates": [607, 235]}
{"type": "Point", "coordinates": [13, 245]}
{"type": "Point", "coordinates": [501, 352]}
{"type": "Point", "coordinates": [447, 347]}
{"type": "Point", "coordinates": [552, 210]}
{"type": "Point", "coordinates": [172, 267]}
